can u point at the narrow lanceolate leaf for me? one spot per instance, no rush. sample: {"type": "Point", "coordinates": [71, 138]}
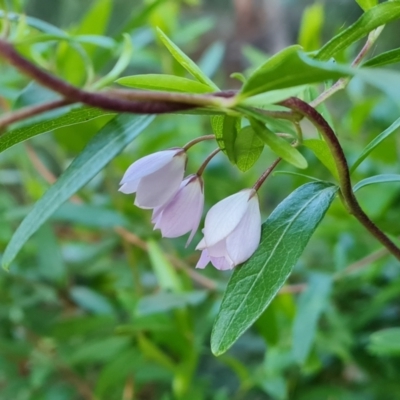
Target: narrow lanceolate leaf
{"type": "Point", "coordinates": [279, 145]}
{"type": "Point", "coordinates": [386, 58]}
{"type": "Point", "coordinates": [375, 143]}
{"type": "Point", "coordinates": [253, 285]}
{"type": "Point", "coordinates": [385, 342]}
{"type": "Point", "coordinates": [384, 178]}
{"type": "Point", "coordinates": [70, 117]}
{"type": "Point", "coordinates": [248, 148]}
{"type": "Point", "coordinates": [286, 69]}
{"type": "Point", "coordinates": [367, 4]}
{"type": "Point", "coordinates": [311, 304]}
{"type": "Point", "coordinates": [170, 83]}
{"type": "Point", "coordinates": [370, 20]}
{"type": "Point", "coordinates": [101, 149]}
{"type": "Point", "coordinates": [185, 61]}
{"type": "Point", "coordinates": [322, 152]}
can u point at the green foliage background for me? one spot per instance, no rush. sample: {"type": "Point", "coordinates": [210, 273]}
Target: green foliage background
{"type": "Point", "coordinates": [96, 306]}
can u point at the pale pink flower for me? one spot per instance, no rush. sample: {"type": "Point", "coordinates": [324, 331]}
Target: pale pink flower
{"type": "Point", "coordinates": [232, 231]}
{"type": "Point", "coordinates": [155, 178]}
{"type": "Point", "coordinates": [182, 214]}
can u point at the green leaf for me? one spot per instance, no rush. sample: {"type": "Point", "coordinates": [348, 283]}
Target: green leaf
{"type": "Point", "coordinates": [375, 143]}
{"type": "Point", "coordinates": [247, 148]}
{"type": "Point", "coordinates": [273, 96]}
{"type": "Point", "coordinates": [284, 236]}
{"type": "Point", "coordinates": [163, 301]}
{"type": "Point", "coordinates": [225, 129]}
{"type": "Point", "coordinates": [370, 20]}
{"type": "Point", "coordinates": [286, 69]}
{"type": "Point", "coordinates": [322, 152]}
{"type": "Point", "coordinates": [101, 149]}
{"type": "Point", "coordinates": [311, 26]}
{"type": "Point", "coordinates": [164, 82]}
{"type": "Point", "coordinates": [120, 66]}
{"type": "Point", "coordinates": [185, 61]}
{"type": "Point", "coordinates": [310, 306]}
{"type": "Point", "coordinates": [367, 4]}
{"type": "Point", "coordinates": [167, 277]}
{"type": "Point", "coordinates": [279, 145]}
{"type": "Point", "coordinates": [70, 117]}
{"type": "Point", "coordinates": [386, 58]}
{"type": "Point", "coordinates": [385, 342]}
{"type": "Point", "coordinates": [384, 178]}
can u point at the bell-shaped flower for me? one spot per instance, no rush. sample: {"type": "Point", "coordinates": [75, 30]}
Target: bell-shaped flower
{"type": "Point", "coordinates": [182, 214]}
{"type": "Point", "coordinates": [232, 231]}
{"type": "Point", "coordinates": [155, 178]}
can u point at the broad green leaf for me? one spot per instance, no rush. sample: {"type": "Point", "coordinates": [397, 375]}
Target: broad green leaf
{"type": "Point", "coordinates": [310, 306]}
{"type": "Point", "coordinates": [287, 69]}
{"type": "Point", "coordinates": [385, 342]}
{"type": "Point", "coordinates": [273, 96]}
{"type": "Point", "coordinates": [311, 26]}
{"type": "Point", "coordinates": [386, 58]}
{"type": "Point", "coordinates": [185, 61]}
{"type": "Point", "coordinates": [322, 152]}
{"type": "Point", "coordinates": [274, 124]}
{"type": "Point", "coordinates": [70, 117]}
{"type": "Point", "coordinates": [101, 149]}
{"type": "Point", "coordinates": [373, 18]}
{"type": "Point", "coordinates": [375, 143]}
{"type": "Point", "coordinates": [230, 128]}
{"type": "Point", "coordinates": [167, 277]}
{"type": "Point", "coordinates": [248, 148]}
{"type": "Point", "coordinates": [253, 285]}
{"type": "Point", "coordinates": [279, 145]}
{"type": "Point", "coordinates": [225, 129]}
{"type": "Point", "coordinates": [164, 82]}
{"type": "Point", "coordinates": [120, 66]}
{"type": "Point", "coordinates": [384, 178]}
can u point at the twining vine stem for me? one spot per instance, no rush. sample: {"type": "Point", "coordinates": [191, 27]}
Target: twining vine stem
{"type": "Point", "coordinates": [349, 198]}
{"type": "Point", "coordinates": [146, 102]}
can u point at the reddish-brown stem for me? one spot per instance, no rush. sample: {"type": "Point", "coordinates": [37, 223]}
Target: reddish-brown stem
{"type": "Point", "coordinates": [27, 112]}
{"type": "Point", "coordinates": [350, 200]}
{"type": "Point", "coordinates": [199, 139]}
{"type": "Point", "coordinates": [266, 174]}
{"type": "Point", "coordinates": [206, 161]}
{"type": "Point", "coordinates": [146, 102]}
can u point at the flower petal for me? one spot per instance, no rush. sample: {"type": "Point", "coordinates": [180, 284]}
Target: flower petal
{"type": "Point", "coordinates": [148, 164]}
{"type": "Point", "coordinates": [218, 249]}
{"type": "Point", "coordinates": [158, 188]}
{"type": "Point", "coordinates": [223, 218]}
{"type": "Point", "coordinates": [181, 214]}
{"type": "Point", "coordinates": [203, 260]}
{"type": "Point", "coordinates": [244, 240]}
{"type": "Point", "coordinates": [129, 187]}
{"type": "Point", "coordinates": [222, 263]}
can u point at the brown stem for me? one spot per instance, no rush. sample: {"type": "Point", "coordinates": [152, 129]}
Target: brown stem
{"type": "Point", "coordinates": [199, 139]}
{"type": "Point", "coordinates": [27, 112]}
{"type": "Point", "coordinates": [149, 102]}
{"type": "Point", "coordinates": [350, 200]}
{"type": "Point", "coordinates": [266, 174]}
{"type": "Point", "coordinates": [206, 161]}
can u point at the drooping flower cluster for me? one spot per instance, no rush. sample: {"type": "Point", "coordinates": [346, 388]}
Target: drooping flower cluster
{"type": "Point", "coordinates": [232, 227]}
